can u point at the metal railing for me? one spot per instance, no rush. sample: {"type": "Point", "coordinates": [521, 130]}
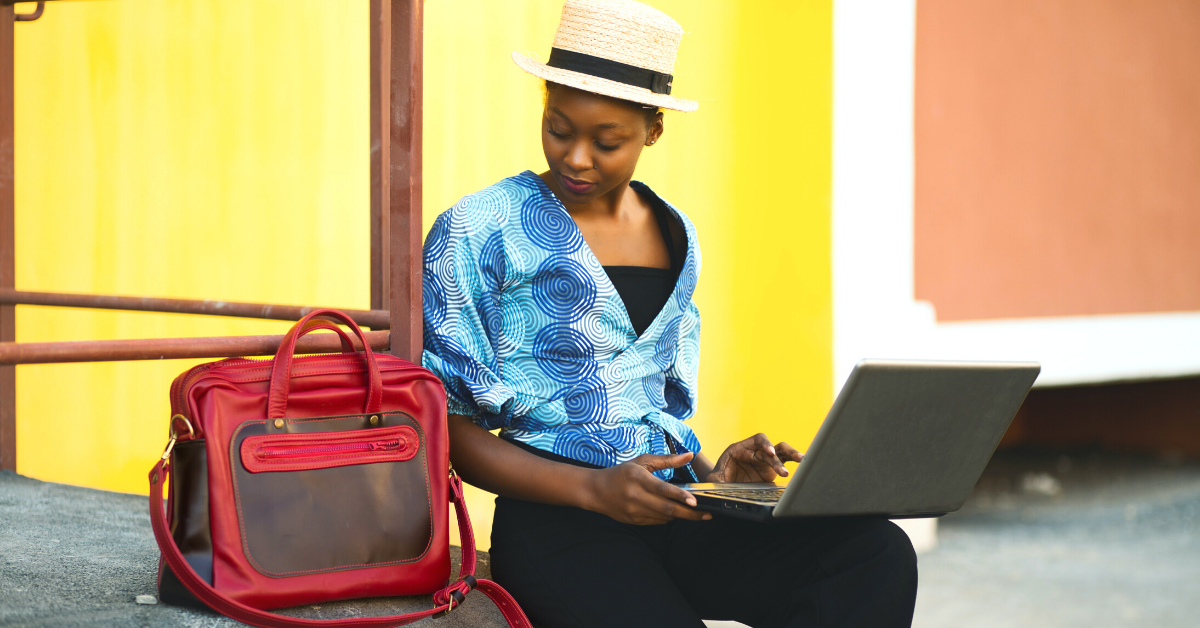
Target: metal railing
{"type": "Point", "coordinates": [375, 319]}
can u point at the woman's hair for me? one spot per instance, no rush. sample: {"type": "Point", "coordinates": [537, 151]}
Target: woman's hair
{"type": "Point", "coordinates": [651, 112]}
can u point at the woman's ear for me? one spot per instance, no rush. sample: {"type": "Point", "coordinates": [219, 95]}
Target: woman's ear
{"type": "Point", "coordinates": [656, 129]}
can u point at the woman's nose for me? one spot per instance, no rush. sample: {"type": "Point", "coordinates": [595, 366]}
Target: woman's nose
{"type": "Point", "coordinates": [579, 158]}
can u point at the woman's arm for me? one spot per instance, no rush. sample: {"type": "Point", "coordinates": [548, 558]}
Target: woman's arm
{"type": "Point", "coordinates": [628, 492]}
{"type": "Point", "coordinates": [701, 466]}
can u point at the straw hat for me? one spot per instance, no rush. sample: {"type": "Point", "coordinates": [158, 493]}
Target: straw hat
{"type": "Point", "coordinates": [618, 48]}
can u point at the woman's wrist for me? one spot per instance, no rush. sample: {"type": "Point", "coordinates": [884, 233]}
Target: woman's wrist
{"type": "Point", "coordinates": [701, 466]}
{"type": "Point", "coordinates": [589, 497]}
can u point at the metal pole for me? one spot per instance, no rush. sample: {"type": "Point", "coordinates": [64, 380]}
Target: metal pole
{"type": "Point", "coordinates": [171, 348]}
{"type": "Point", "coordinates": [403, 216]}
{"type": "Point", "coordinates": [374, 319]}
{"type": "Point", "coordinates": [32, 17]}
{"type": "Point", "coordinates": [381, 70]}
{"type": "Point", "coordinates": [8, 321]}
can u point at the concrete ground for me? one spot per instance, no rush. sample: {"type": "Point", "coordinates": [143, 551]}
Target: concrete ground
{"type": "Point", "coordinates": [1087, 540]}
{"type": "Point", "coordinates": [1047, 540]}
{"type": "Point", "coordinates": [73, 556]}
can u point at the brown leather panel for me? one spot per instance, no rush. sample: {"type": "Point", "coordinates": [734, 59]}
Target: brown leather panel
{"type": "Point", "coordinates": [189, 521]}
{"type": "Point", "coordinates": [336, 518]}
{"type": "Point", "coordinates": [189, 490]}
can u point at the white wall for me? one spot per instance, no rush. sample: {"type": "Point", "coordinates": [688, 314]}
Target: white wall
{"type": "Point", "coordinates": [874, 311]}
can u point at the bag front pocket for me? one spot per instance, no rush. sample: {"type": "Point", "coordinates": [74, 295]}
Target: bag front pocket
{"type": "Point", "coordinates": [331, 493]}
{"type": "Point", "coordinates": [298, 452]}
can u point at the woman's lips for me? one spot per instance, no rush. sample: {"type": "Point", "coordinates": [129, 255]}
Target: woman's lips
{"type": "Point", "coordinates": [576, 186]}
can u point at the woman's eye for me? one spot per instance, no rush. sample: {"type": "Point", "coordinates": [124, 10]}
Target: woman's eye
{"type": "Point", "coordinates": [605, 147]}
{"type": "Point", "coordinates": [556, 133]}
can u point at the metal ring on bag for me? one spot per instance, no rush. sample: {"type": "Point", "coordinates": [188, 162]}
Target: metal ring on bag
{"type": "Point", "coordinates": [191, 432]}
{"type": "Point", "coordinates": [174, 437]}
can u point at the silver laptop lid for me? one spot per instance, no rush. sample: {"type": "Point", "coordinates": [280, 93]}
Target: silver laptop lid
{"type": "Point", "coordinates": [907, 437]}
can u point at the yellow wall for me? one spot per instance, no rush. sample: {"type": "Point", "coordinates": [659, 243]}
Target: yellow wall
{"type": "Point", "coordinates": [214, 148]}
{"type": "Point", "coordinates": [183, 148]}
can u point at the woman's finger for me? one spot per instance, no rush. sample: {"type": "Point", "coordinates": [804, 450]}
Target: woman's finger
{"type": "Point", "coordinates": [752, 468]}
{"type": "Point", "coordinates": [761, 441]}
{"type": "Point", "coordinates": [770, 454]}
{"type": "Point", "coordinates": [670, 499]}
{"type": "Point", "coordinates": [674, 510]}
{"type": "Point", "coordinates": [764, 461]}
{"type": "Point", "coordinates": [771, 461]}
{"type": "Point", "coordinates": [670, 491]}
{"type": "Point", "coordinates": [655, 462]}
{"type": "Point", "coordinates": [787, 452]}
{"type": "Point", "coordinates": [683, 512]}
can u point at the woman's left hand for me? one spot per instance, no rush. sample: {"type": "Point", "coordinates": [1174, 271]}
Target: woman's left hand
{"type": "Point", "coordinates": [753, 460]}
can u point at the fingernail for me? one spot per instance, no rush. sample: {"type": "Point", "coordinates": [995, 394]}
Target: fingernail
{"type": "Point", "coordinates": [707, 516]}
{"type": "Point", "coordinates": [783, 472]}
{"type": "Point", "coordinates": [691, 502]}
{"type": "Point", "coordinates": [771, 450]}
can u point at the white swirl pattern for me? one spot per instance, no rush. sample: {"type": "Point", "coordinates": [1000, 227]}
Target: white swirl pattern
{"type": "Point", "coordinates": [529, 335]}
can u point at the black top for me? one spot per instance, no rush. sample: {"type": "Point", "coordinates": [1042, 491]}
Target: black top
{"type": "Point", "coordinates": [645, 290]}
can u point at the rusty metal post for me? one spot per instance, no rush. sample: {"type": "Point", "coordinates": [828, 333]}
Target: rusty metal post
{"type": "Point", "coordinates": [381, 69]}
{"type": "Point", "coordinates": [402, 217]}
{"type": "Point", "coordinates": [8, 321]}
{"type": "Point", "coordinates": [32, 17]}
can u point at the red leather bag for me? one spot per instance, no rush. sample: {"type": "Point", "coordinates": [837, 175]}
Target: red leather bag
{"type": "Point", "coordinates": [301, 480]}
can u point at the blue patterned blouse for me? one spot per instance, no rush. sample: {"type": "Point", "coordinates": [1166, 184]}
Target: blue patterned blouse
{"type": "Point", "coordinates": [527, 332]}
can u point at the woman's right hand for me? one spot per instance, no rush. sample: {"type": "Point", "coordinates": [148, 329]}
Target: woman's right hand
{"type": "Point", "coordinates": [630, 493]}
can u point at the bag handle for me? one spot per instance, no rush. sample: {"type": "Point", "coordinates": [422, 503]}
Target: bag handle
{"type": "Point", "coordinates": [446, 599]}
{"type": "Point", "coordinates": [281, 372]}
{"type": "Point", "coordinates": [322, 325]}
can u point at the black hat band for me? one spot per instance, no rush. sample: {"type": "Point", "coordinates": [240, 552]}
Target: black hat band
{"type": "Point", "coordinates": [656, 82]}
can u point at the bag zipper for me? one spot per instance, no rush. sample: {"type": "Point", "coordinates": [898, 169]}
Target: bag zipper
{"type": "Point", "coordinates": [319, 450]}
{"type": "Point", "coordinates": [286, 451]}
{"type": "Point", "coordinates": [184, 382]}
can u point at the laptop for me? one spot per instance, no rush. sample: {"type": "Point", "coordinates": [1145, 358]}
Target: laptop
{"type": "Point", "coordinates": [903, 439]}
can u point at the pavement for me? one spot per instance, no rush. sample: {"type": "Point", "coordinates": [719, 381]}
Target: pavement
{"type": "Point", "coordinates": [1067, 540]}
{"type": "Point", "coordinates": [73, 556]}
{"type": "Point", "coordinates": [1048, 539]}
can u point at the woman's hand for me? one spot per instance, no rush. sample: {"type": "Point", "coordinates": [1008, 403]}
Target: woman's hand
{"type": "Point", "coordinates": [630, 493]}
{"type": "Point", "coordinates": [753, 460]}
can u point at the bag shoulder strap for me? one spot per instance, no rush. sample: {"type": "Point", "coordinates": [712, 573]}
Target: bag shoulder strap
{"type": "Point", "coordinates": [445, 599]}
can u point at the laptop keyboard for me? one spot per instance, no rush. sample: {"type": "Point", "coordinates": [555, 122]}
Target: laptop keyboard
{"type": "Point", "coordinates": [764, 495]}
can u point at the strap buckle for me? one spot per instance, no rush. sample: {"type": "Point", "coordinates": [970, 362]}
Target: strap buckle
{"type": "Point", "coordinates": [456, 594]}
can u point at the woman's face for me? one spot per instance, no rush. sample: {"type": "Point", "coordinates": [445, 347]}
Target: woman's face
{"type": "Point", "coordinates": [592, 142]}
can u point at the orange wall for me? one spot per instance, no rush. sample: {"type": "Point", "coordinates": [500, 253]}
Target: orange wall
{"type": "Point", "coordinates": [1057, 157]}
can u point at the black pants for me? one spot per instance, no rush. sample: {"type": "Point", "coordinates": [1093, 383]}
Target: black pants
{"type": "Point", "coordinates": [571, 567]}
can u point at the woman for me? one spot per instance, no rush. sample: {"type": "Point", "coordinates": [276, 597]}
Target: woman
{"type": "Point", "coordinates": [558, 308]}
